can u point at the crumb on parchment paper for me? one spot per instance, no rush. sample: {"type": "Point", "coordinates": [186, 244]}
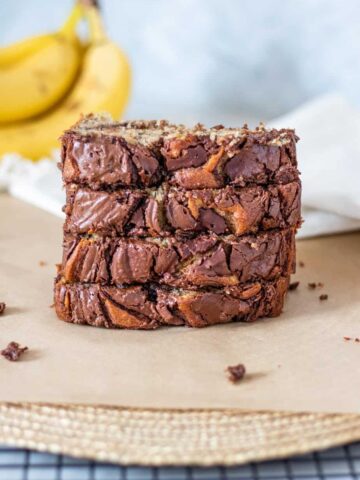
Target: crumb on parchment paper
{"type": "Point", "coordinates": [293, 286]}
{"type": "Point", "coordinates": [314, 285]}
{"type": "Point", "coordinates": [13, 351]}
{"type": "Point", "coordinates": [236, 372]}
{"type": "Point", "coordinates": [356, 339]}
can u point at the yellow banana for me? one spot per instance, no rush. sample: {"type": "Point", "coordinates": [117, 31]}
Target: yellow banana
{"type": "Point", "coordinates": [35, 74]}
{"type": "Point", "coordinates": [103, 85]}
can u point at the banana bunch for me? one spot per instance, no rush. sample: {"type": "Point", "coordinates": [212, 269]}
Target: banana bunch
{"type": "Point", "coordinates": [49, 81]}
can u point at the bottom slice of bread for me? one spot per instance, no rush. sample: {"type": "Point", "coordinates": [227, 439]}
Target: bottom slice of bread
{"type": "Point", "coordinates": [150, 306]}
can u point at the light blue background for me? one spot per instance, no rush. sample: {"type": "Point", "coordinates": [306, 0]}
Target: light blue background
{"type": "Point", "coordinates": [219, 60]}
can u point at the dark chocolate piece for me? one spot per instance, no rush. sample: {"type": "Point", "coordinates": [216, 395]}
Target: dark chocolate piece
{"type": "Point", "coordinates": [323, 297]}
{"type": "Point", "coordinates": [104, 161]}
{"type": "Point", "coordinates": [2, 307]}
{"type": "Point", "coordinates": [13, 351]}
{"type": "Point", "coordinates": [206, 260]}
{"type": "Point", "coordinates": [236, 372]}
{"type": "Point", "coordinates": [169, 210]}
{"type": "Point", "coordinates": [150, 306]}
{"type": "Point", "coordinates": [293, 286]}
{"type": "Point", "coordinates": [101, 153]}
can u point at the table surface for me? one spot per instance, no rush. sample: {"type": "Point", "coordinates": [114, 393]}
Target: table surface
{"type": "Point", "coordinates": [335, 464]}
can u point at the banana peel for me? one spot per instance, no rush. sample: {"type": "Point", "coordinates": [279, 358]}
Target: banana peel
{"type": "Point", "coordinates": [37, 73]}
{"type": "Point", "coordinates": [103, 84]}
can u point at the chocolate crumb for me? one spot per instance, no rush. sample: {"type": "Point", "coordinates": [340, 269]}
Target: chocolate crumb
{"type": "Point", "coordinates": [294, 285]}
{"type": "Point", "coordinates": [42, 263]}
{"type": "Point", "coordinates": [236, 372]}
{"type": "Point", "coordinates": [301, 264]}
{"type": "Point", "coordinates": [13, 351]}
{"type": "Point", "coordinates": [347, 338]}
{"type": "Point", "coordinates": [313, 285]}
{"type": "Point", "coordinates": [2, 307]}
{"type": "Point", "coordinates": [324, 296]}
{"type": "Point", "coordinates": [357, 340]}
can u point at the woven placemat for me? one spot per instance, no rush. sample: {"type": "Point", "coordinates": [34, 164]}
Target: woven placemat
{"type": "Point", "coordinates": [172, 437]}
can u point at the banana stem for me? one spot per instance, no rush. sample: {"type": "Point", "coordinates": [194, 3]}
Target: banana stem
{"type": "Point", "coordinates": [89, 3]}
{"type": "Point", "coordinates": [96, 27]}
{"type": "Point", "coordinates": [68, 29]}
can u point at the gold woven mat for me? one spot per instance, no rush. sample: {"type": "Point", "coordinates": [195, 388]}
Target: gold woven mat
{"type": "Point", "coordinates": [171, 437]}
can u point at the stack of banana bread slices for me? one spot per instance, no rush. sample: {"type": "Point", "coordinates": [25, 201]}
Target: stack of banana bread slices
{"type": "Point", "coordinates": [168, 225]}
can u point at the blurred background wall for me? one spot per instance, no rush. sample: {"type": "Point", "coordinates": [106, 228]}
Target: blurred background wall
{"type": "Point", "coordinates": [219, 60]}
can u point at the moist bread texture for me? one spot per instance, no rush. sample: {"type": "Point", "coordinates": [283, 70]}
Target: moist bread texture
{"type": "Point", "coordinates": [149, 306]}
{"type": "Point", "coordinates": [204, 261]}
{"type": "Point", "coordinates": [100, 153]}
{"type": "Point", "coordinates": [168, 210]}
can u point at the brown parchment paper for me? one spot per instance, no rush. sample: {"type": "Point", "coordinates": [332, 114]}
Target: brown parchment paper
{"type": "Point", "coordinates": [297, 362]}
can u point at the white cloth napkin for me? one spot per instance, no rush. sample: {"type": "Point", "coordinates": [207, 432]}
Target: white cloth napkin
{"type": "Point", "coordinates": [328, 154]}
{"type": "Point", "coordinates": [329, 160]}
{"type": "Point", "coordinates": [38, 183]}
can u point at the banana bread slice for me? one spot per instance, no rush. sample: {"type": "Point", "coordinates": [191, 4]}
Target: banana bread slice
{"type": "Point", "coordinates": [206, 260]}
{"type": "Point", "coordinates": [149, 306]}
{"type": "Point", "coordinates": [169, 210]}
{"type": "Point", "coordinates": [101, 153]}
